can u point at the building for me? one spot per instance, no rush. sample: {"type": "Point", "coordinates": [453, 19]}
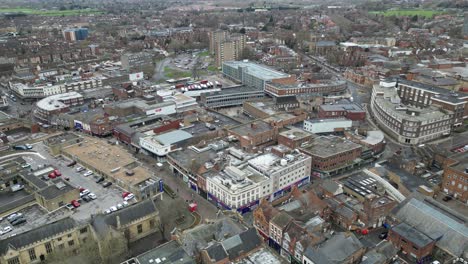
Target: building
{"type": "Point", "coordinates": [136, 61]}
{"type": "Point", "coordinates": [349, 111]}
{"type": "Point", "coordinates": [282, 91]}
{"type": "Point", "coordinates": [148, 106]}
{"type": "Point", "coordinates": [332, 155]}
{"type": "Point", "coordinates": [40, 91]}
{"type": "Point", "coordinates": [253, 135]}
{"type": "Point", "coordinates": [439, 223]}
{"type": "Point", "coordinates": [74, 34]}
{"type": "Point", "coordinates": [57, 195]}
{"type": "Point", "coordinates": [341, 248]}
{"type": "Point", "coordinates": [130, 132]}
{"type": "Point", "coordinates": [294, 138]}
{"type": "Point", "coordinates": [406, 123]}
{"type": "Point", "coordinates": [318, 126]}
{"type": "Point", "coordinates": [229, 97]}
{"type": "Point", "coordinates": [412, 241]}
{"type": "Point", "coordinates": [230, 49]}
{"type": "Point", "coordinates": [455, 177]}
{"type": "Point", "coordinates": [167, 253]}
{"type": "Point", "coordinates": [423, 95]}
{"type": "Point", "coordinates": [120, 167]}
{"type": "Point", "coordinates": [252, 74]}
{"type": "Point", "coordinates": [35, 245]}
{"type": "Point", "coordinates": [267, 175]}
{"type": "Point", "coordinates": [160, 145]}
{"type": "Point", "coordinates": [216, 37]}
{"type": "Point", "coordinates": [53, 105]}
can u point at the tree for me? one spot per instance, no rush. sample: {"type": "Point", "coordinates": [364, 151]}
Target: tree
{"type": "Point", "coordinates": [242, 31]}
{"type": "Point", "coordinates": [248, 54]}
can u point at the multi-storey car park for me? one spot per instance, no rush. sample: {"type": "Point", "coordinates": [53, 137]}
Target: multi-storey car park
{"type": "Point", "coordinates": [406, 123]}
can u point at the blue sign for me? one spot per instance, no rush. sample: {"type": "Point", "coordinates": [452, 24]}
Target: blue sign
{"type": "Point", "coordinates": [161, 186]}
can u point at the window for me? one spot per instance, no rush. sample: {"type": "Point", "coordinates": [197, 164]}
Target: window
{"type": "Point", "coordinates": [61, 246]}
{"type": "Point", "coordinates": [14, 261]}
{"type": "Point", "coordinates": [152, 223]}
{"type": "Point", "coordinates": [59, 239]}
{"type": "Point", "coordinates": [140, 229]}
{"type": "Point", "coordinates": [71, 243]}
{"type": "Point", "coordinates": [83, 230]}
{"type": "Point", "coordinates": [48, 247]}
{"type": "Point", "coordinates": [69, 235]}
{"type": "Point", "coordinates": [32, 254]}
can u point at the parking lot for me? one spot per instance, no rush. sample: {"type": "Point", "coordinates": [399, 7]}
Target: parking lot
{"type": "Point", "coordinates": [36, 215]}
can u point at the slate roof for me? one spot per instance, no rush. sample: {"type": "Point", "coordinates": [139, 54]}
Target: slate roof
{"type": "Point", "coordinates": [450, 231]}
{"type": "Point", "coordinates": [38, 234]}
{"type": "Point", "coordinates": [412, 234]}
{"type": "Point", "coordinates": [281, 220]}
{"type": "Point", "coordinates": [127, 215]}
{"type": "Point", "coordinates": [216, 252]}
{"type": "Point", "coordinates": [52, 191]}
{"type": "Point", "coordinates": [168, 253]}
{"type": "Point", "coordinates": [335, 250]}
{"type": "Point", "coordinates": [242, 243]}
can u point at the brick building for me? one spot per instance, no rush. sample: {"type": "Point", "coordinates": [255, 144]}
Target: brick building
{"type": "Point", "coordinates": [294, 138]}
{"type": "Point", "coordinates": [411, 241]}
{"type": "Point", "coordinates": [255, 134]}
{"type": "Point", "coordinates": [350, 111]}
{"type": "Point", "coordinates": [455, 178]}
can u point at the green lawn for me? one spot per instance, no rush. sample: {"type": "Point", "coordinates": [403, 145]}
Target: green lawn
{"type": "Point", "coordinates": [204, 53]}
{"type": "Point", "coordinates": [408, 12]}
{"type": "Point", "coordinates": [42, 12]}
{"type": "Point", "coordinates": [175, 74]}
{"type": "Point", "coordinates": [212, 68]}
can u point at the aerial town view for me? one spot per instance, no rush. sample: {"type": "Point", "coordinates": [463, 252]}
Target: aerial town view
{"type": "Point", "coordinates": [234, 132]}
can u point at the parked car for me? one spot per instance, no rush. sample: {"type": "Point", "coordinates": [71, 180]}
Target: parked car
{"type": "Point", "coordinates": [71, 164]}
{"type": "Point", "coordinates": [57, 173]}
{"type": "Point", "coordinates": [5, 230]}
{"type": "Point", "coordinates": [113, 208]}
{"type": "Point", "coordinates": [18, 221]}
{"type": "Point", "coordinates": [79, 169]}
{"type": "Point", "coordinates": [106, 184]}
{"type": "Point", "coordinates": [52, 175]}
{"type": "Point", "coordinates": [14, 216]}
{"type": "Point", "coordinates": [447, 198]}
{"type": "Point", "coordinates": [383, 235]}
{"type": "Point", "coordinates": [25, 165]}
{"type": "Point", "coordinates": [119, 206]}
{"type": "Point", "coordinates": [86, 198]}
{"type": "Point", "coordinates": [88, 173]}
{"type": "Point", "coordinates": [84, 192]}
{"type": "Point", "coordinates": [125, 194]}
{"type": "Point", "coordinates": [28, 146]}
{"type": "Point", "coordinates": [75, 203]}
{"type": "Point", "coordinates": [20, 147]}
{"type": "Point", "coordinates": [101, 179]}
{"type": "Point", "coordinates": [125, 204]}
{"type": "Point", "coordinates": [92, 196]}
{"type": "Point", "coordinates": [129, 197]}
{"type": "Point", "coordinates": [108, 211]}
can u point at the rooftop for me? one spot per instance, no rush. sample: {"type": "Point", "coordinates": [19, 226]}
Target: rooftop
{"type": "Point", "coordinates": [412, 234]}
{"type": "Point", "coordinates": [168, 253]}
{"type": "Point", "coordinates": [270, 163]}
{"type": "Point", "coordinates": [259, 71]}
{"type": "Point", "coordinates": [252, 128]}
{"type": "Point", "coordinates": [327, 146]}
{"type": "Point", "coordinates": [443, 94]}
{"type": "Point", "coordinates": [172, 137]}
{"type": "Point", "coordinates": [341, 107]}
{"type": "Point", "coordinates": [296, 133]}
{"type": "Point", "coordinates": [58, 188]}
{"type": "Point", "coordinates": [56, 101]}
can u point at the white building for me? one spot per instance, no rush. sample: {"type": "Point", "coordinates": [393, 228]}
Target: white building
{"type": "Point", "coordinates": [161, 145]}
{"type": "Point", "coordinates": [267, 175]}
{"type": "Point", "coordinates": [327, 125]}
{"type": "Point", "coordinates": [41, 91]}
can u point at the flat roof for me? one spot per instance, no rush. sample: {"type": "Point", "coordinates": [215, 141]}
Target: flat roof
{"type": "Point", "coordinates": [172, 137]}
{"type": "Point", "coordinates": [105, 157]}
{"type": "Point", "coordinates": [296, 133]}
{"type": "Point", "coordinates": [170, 252]}
{"type": "Point", "coordinates": [260, 71]}
{"type": "Point", "coordinates": [58, 188]}
{"type": "Point", "coordinates": [342, 107]}
{"type": "Point", "coordinates": [55, 101]}
{"type": "Point", "coordinates": [252, 128]}
{"type": "Point", "coordinates": [327, 146]}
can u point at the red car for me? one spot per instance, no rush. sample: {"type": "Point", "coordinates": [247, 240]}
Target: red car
{"type": "Point", "coordinates": [75, 203]}
{"type": "Point", "coordinates": [82, 189]}
{"type": "Point", "coordinates": [57, 173]}
{"type": "Point", "coordinates": [52, 175]}
{"type": "Point", "coordinates": [125, 194]}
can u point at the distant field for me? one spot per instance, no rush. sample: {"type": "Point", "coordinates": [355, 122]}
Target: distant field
{"type": "Point", "coordinates": [411, 12]}
{"type": "Point", "coordinates": [175, 74]}
{"type": "Point", "coordinates": [40, 12]}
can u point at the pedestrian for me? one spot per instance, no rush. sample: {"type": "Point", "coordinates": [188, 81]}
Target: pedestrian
{"type": "Point", "coordinates": [177, 190]}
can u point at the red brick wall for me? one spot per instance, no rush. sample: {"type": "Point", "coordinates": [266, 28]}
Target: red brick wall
{"type": "Point", "coordinates": [168, 125]}
{"type": "Point", "coordinates": [404, 244]}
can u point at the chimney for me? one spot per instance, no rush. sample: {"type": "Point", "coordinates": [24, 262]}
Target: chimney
{"type": "Point", "coordinates": [118, 221]}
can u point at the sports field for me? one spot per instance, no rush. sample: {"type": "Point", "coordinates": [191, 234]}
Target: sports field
{"type": "Point", "coordinates": [408, 12]}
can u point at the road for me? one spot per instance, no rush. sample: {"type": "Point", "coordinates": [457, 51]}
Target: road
{"type": "Point", "coordinates": [22, 154]}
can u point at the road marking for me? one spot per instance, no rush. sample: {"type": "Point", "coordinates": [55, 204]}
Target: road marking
{"type": "Point", "coordinates": [23, 153]}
